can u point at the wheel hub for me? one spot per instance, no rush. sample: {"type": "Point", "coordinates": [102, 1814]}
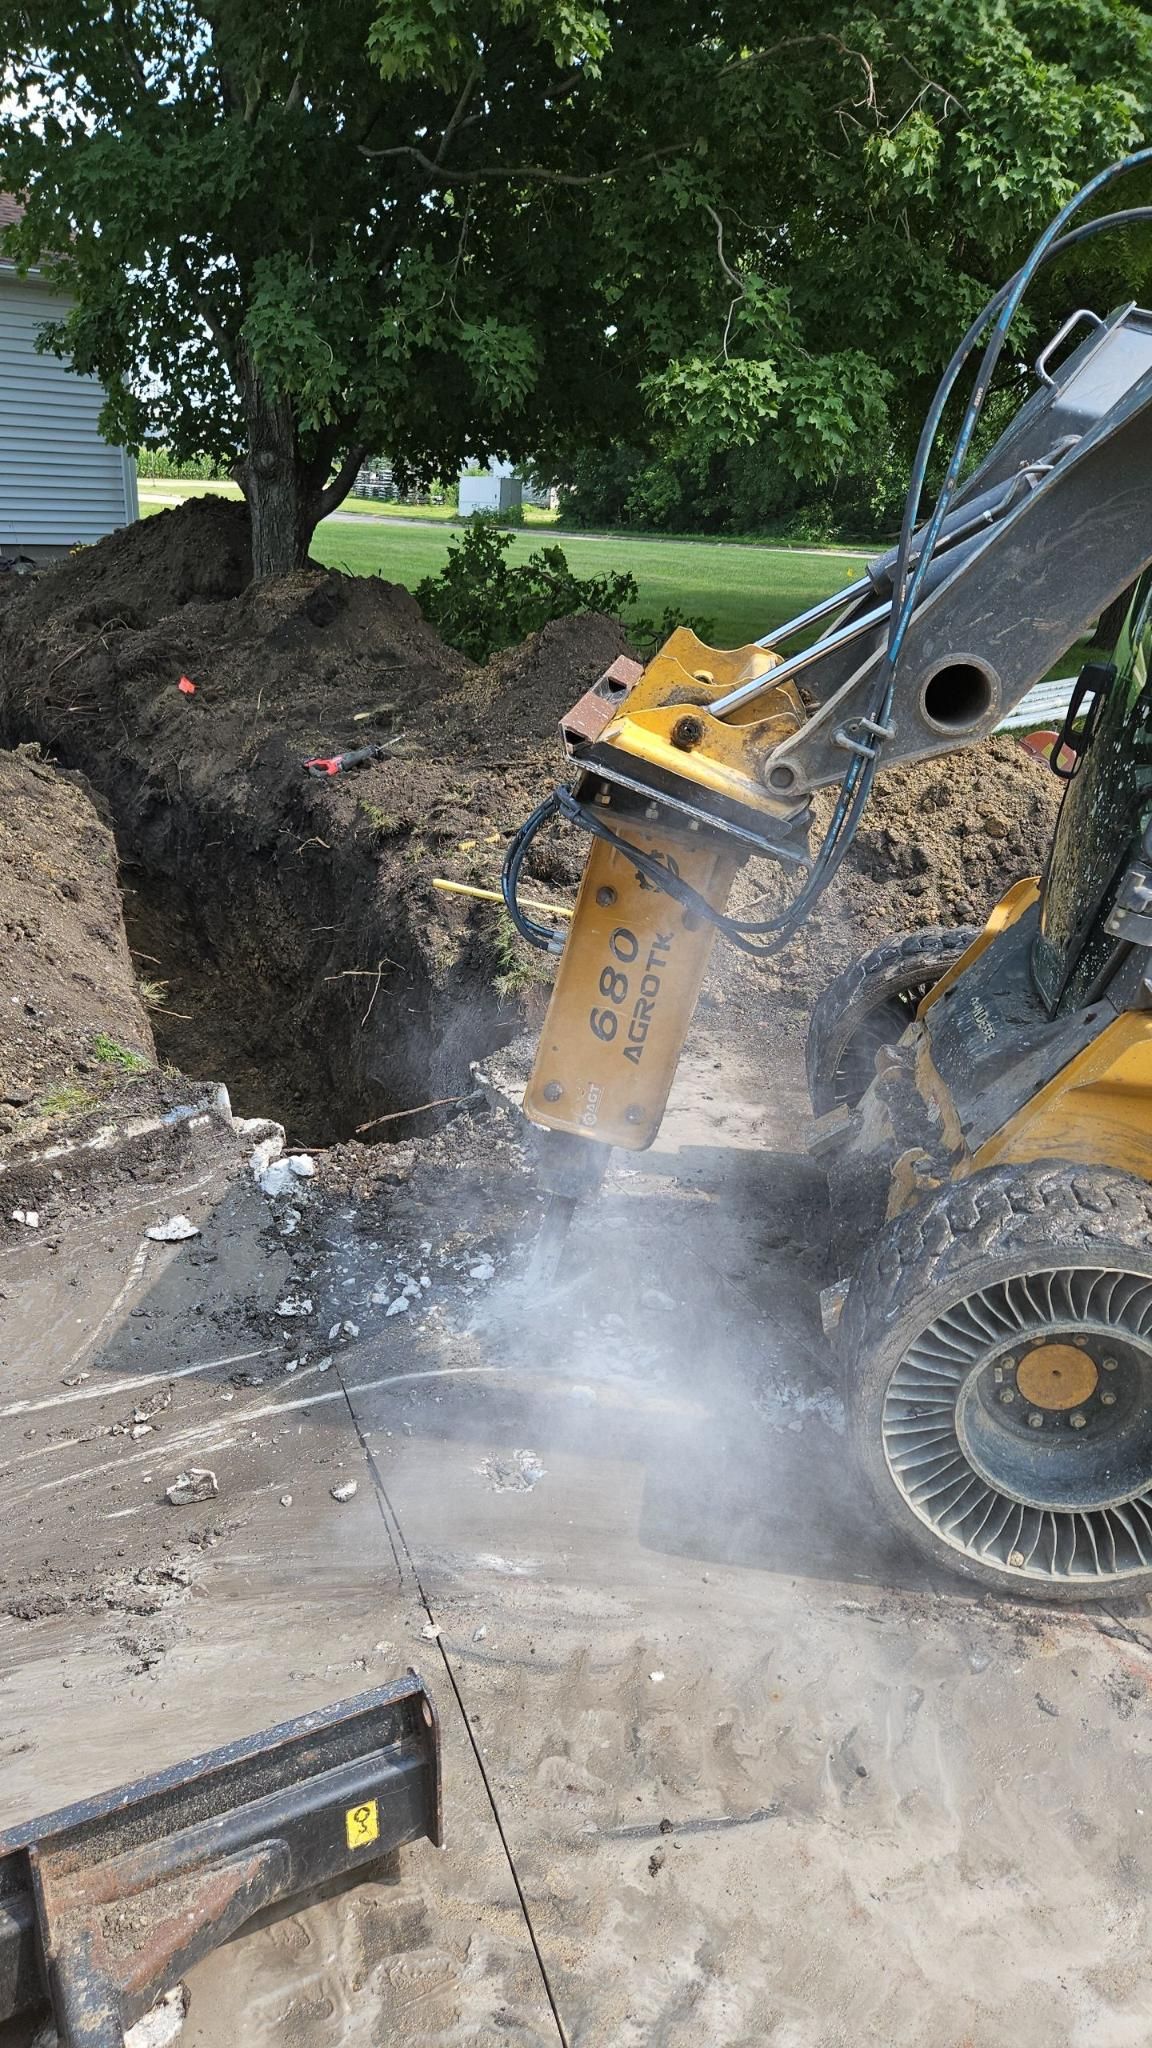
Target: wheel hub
{"type": "Point", "coordinates": [1056, 1376]}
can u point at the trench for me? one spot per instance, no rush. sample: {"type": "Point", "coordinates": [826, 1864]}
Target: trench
{"type": "Point", "coordinates": [312, 999]}
{"type": "Point", "coordinates": [281, 953]}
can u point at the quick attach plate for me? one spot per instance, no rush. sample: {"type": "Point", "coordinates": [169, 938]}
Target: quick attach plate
{"type": "Point", "coordinates": [105, 1904]}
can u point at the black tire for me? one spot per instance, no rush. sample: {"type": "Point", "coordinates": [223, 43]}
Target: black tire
{"type": "Point", "coordinates": [957, 1328]}
{"type": "Point", "coordinates": [869, 1005]}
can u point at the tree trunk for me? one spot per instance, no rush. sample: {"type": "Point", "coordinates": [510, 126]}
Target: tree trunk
{"type": "Point", "coordinates": [283, 503]}
{"type": "Point", "coordinates": [287, 495]}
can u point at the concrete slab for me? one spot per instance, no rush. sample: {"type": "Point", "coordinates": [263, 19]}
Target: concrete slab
{"type": "Point", "coordinates": [763, 1782]}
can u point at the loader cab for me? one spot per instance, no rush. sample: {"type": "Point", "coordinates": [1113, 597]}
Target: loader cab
{"type": "Point", "coordinates": [1106, 806]}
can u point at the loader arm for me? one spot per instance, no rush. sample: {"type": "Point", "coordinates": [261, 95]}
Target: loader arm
{"type": "Point", "coordinates": [710, 756]}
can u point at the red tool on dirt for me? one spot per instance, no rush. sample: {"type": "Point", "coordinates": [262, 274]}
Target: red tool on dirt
{"type": "Point", "coordinates": [335, 764]}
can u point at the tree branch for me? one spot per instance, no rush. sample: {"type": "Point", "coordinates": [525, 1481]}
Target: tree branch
{"type": "Point", "coordinates": [733, 276]}
{"type": "Point", "coordinates": [536, 173]}
{"type": "Point", "coordinates": [220, 335]}
{"type": "Point", "coordinates": [335, 492]}
{"type": "Point", "coordinates": [131, 52]}
{"type": "Point", "coordinates": [798, 42]}
{"type": "Point", "coordinates": [458, 112]}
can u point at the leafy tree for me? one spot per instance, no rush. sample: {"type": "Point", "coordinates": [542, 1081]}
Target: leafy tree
{"type": "Point", "coordinates": [452, 227]}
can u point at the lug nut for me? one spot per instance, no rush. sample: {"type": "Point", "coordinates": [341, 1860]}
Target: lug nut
{"type": "Point", "coordinates": [605, 896]}
{"type": "Point", "coordinates": [1110, 1364]}
{"type": "Point", "coordinates": [1035, 1421]}
{"type": "Point", "coordinates": [1007, 1395]}
{"type": "Point", "coordinates": [1107, 1398]}
{"type": "Point", "coordinates": [1078, 1421]}
{"type": "Point", "coordinates": [1016, 1558]}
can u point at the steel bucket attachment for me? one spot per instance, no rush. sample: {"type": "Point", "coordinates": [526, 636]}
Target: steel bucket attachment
{"type": "Point", "coordinates": [105, 1904]}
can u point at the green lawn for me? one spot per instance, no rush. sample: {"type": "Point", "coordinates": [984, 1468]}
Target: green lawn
{"type": "Point", "coordinates": [745, 592]}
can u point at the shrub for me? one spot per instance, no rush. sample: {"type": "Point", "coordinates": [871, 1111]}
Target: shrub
{"type": "Point", "coordinates": [481, 602]}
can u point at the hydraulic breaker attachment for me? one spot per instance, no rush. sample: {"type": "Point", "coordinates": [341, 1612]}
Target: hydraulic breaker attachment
{"type": "Point", "coordinates": [105, 1904]}
{"type": "Point", "coordinates": [627, 983]}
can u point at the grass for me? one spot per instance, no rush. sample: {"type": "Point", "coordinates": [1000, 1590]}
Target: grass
{"type": "Point", "coordinates": [744, 592]}
{"type": "Point", "coordinates": [66, 1102]}
{"type": "Point", "coordinates": [110, 1054]}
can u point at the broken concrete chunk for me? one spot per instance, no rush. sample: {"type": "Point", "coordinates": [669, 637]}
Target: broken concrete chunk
{"type": "Point", "coordinates": [162, 2025]}
{"type": "Point", "coordinates": [294, 1305]}
{"type": "Point", "coordinates": [275, 1180]}
{"type": "Point", "coordinates": [482, 1270]}
{"type": "Point", "coordinates": [30, 1218]}
{"type": "Point", "coordinates": [399, 1307]}
{"type": "Point", "coordinates": [267, 1149]}
{"type": "Point", "coordinates": [174, 1231]}
{"type": "Point", "coordinates": [301, 1164]}
{"type": "Point", "coordinates": [344, 1491]}
{"type": "Point", "coordinates": [188, 1488]}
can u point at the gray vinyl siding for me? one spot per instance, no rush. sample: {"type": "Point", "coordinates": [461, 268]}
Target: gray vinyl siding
{"type": "Point", "coordinates": [60, 483]}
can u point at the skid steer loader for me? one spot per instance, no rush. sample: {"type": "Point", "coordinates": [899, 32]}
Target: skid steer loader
{"type": "Point", "coordinates": [984, 1098]}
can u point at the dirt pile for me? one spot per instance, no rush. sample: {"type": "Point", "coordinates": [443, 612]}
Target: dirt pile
{"type": "Point", "coordinates": [306, 956]}
{"type": "Point", "coordinates": [939, 844]}
{"type": "Point", "coordinates": [71, 1018]}
{"type": "Point", "coordinates": [200, 552]}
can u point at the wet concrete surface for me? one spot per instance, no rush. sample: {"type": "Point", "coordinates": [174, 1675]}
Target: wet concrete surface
{"type": "Point", "coordinates": [761, 1780]}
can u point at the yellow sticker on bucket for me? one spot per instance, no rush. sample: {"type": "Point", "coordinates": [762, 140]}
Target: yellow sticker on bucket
{"type": "Point", "coordinates": [362, 1824]}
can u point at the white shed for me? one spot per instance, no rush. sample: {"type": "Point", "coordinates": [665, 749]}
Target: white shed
{"type": "Point", "coordinates": [60, 482]}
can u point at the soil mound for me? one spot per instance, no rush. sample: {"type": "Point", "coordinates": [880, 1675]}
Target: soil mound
{"type": "Point", "coordinates": [199, 550]}
{"type": "Point", "coordinates": [525, 691]}
{"type": "Point", "coordinates": [71, 1022]}
{"type": "Point", "coordinates": [309, 959]}
{"type": "Point", "coordinates": [939, 844]}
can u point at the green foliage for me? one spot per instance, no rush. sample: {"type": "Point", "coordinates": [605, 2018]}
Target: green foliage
{"type": "Point", "coordinates": [157, 462]}
{"type": "Point", "coordinates": [481, 602]}
{"type": "Point", "coordinates": [110, 1054]}
{"type": "Point", "coordinates": [740, 241]}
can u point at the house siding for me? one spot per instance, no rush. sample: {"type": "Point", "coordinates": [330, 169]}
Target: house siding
{"type": "Point", "coordinates": [60, 483]}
